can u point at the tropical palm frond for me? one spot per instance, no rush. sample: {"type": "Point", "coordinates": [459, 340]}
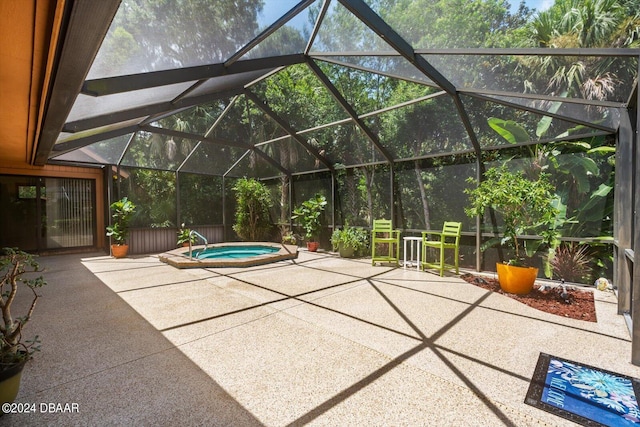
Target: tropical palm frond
{"type": "Point", "coordinates": [599, 87]}
{"type": "Point", "coordinates": [171, 148]}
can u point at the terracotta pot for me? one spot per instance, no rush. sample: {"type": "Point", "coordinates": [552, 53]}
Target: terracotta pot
{"type": "Point", "coordinates": [516, 280]}
{"type": "Point", "coordinates": [119, 251]}
{"type": "Point", "coordinates": [313, 246]}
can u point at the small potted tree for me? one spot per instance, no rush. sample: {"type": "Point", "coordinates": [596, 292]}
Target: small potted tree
{"type": "Point", "coordinates": [350, 241]}
{"type": "Point", "coordinates": [526, 206]}
{"type": "Point", "coordinates": [15, 350]}
{"type": "Point", "coordinates": [309, 214]}
{"type": "Point", "coordinates": [121, 212]}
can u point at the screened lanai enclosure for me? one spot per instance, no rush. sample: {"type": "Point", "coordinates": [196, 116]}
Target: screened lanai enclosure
{"type": "Point", "coordinates": [390, 109]}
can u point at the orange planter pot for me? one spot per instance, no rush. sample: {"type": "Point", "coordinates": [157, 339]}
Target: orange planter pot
{"type": "Point", "coordinates": [313, 246]}
{"type": "Point", "coordinates": [119, 251]}
{"type": "Point", "coordinates": [516, 280]}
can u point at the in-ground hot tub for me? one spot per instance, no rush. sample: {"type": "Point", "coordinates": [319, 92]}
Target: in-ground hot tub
{"type": "Point", "coordinates": [232, 254]}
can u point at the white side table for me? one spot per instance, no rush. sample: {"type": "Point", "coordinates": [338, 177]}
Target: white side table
{"type": "Point", "coordinates": [412, 241]}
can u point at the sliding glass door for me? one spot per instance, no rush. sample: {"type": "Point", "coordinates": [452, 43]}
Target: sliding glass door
{"type": "Point", "coordinates": [46, 213]}
{"type": "Point", "coordinates": [69, 213]}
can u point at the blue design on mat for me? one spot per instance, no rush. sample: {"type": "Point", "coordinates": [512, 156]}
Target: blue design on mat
{"type": "Point", "coordinates": [600, 396]}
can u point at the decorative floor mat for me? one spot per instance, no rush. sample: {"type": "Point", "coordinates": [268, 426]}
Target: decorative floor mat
{"type": "Point", "coordinates": [584, 394]}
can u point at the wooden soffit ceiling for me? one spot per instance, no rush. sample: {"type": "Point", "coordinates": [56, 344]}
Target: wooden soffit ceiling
{"type": "Point", "coordinates": [28, 38]}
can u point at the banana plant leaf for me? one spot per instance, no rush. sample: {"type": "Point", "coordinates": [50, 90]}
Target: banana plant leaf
{"type": "Point", "coordinates": [588, 211]}
{"type": "Point", "coordinates": [509, 130]}
{"type": "Point", "coordinates": [581, 168]}
{"type": "Point", "coordinates": [545, 122]}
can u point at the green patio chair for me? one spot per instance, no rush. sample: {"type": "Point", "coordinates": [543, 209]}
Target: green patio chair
{"type": "Point", "coordinates": [449, 238]}
{"type": "Point", "coordinates": [383, 233]}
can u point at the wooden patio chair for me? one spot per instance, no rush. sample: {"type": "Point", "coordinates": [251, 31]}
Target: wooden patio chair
{"type": "Point", "coordinates": [382, 233]}
{"type": "Point", "coordinates": [449, 238]}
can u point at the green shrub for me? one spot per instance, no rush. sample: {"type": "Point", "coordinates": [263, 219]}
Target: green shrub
{"type": "Point", "coordinates": [253, 222]}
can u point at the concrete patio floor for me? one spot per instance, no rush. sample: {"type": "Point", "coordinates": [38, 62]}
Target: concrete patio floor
{"type": "Point", "coordinates": [319, 340]}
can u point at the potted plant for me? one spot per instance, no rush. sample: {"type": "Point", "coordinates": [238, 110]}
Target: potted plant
{"type": "Point", "coordinates": [287, 236]}
{"type": "Point", "coordinates": [349, 241]}
{"type": "Point", "coordinates": [15, 350]}
{"type": "Point", "coordinates": [185, 237]}
{"type": "Point", "coordinates": [309, 214]}
{"type": "Point", "coordinates": [526, 207]}
{"type": "Point", "coordinates": [121, 212]}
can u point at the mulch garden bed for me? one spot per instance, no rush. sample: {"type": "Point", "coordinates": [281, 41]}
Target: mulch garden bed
{"type": "Point", "coordinates": [576, 304]}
